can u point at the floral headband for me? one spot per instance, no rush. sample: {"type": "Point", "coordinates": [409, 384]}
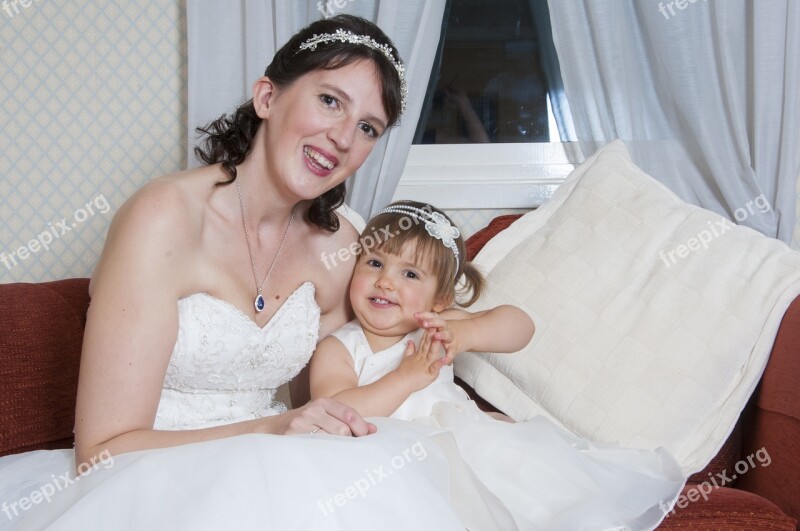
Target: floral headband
{"type": "Point", "coordinates": [365, 40]}
{"type": "Point", "coordinates": [436, 224]}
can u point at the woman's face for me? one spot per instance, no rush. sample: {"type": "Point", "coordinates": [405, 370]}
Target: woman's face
{"type": "Point", "coordinates": [322, 127]}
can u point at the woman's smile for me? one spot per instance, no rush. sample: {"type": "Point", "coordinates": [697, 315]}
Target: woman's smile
{"type": "Point", "coordinates": [319, 162]}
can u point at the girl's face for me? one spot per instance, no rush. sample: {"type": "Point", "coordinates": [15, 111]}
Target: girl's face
{"type": "Point", "coordinates": [387, 290]}
{"type": "Point", "coordinates": [321, 128]}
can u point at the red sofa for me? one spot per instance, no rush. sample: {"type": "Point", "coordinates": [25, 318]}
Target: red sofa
{"type": "Point", "coordinates": [41, 332]}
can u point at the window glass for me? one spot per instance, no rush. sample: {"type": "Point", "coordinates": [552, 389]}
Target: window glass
{"type": "Point", "coordinates": [496, 77]}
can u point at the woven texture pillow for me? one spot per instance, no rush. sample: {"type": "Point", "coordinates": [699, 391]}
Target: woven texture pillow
{"type": "Point", "coordinates": [631, 349]}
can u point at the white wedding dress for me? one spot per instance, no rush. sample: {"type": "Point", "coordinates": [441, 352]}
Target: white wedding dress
{"type": "Point", "coordinates": [544, 477]}
{"type": "Point", "coordinates": [452, 468]}
{"type": "Point", "coordinates": [225, 369]}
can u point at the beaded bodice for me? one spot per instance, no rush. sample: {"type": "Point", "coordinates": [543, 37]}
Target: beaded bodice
{"type": "Point", "coordinates": [224, 368]}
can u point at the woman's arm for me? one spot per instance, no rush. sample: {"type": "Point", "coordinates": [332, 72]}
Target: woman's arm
{"type": "Point", "coordinates": [333, 375]}
{"type": "Point", "coordinates": [131, 326]}
{"type": "Point", "coordinates": [131, 330]}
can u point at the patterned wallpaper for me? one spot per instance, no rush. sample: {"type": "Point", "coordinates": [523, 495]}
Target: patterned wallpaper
{"type": "Point", "coordinates": [92, 105]}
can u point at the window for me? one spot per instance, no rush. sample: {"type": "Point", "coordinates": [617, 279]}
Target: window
{"type": "Point", "coordinates": [496, 82]}
{"type": "Point", "coordinates": [495, 68]}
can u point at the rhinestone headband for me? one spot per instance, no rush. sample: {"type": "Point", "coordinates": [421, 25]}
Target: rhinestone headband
{"type": "Point", "coordinates": [436, 224]}
{"type": "Point", "coordinates": [365, 40]}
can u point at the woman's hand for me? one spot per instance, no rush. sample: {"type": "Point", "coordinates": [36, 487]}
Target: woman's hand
{"type": "Point", "coordinates": [453, 334]}
{"type": "Point", "coordinates": [329, 416]}
{"type": "Point", "coordinates": [421, 364]}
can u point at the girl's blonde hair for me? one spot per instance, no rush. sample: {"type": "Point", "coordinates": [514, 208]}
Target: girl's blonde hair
{"type": "Point", "coordinates": [389, 232]}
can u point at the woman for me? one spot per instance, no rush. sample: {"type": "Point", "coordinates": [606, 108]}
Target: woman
{"type": "Point", "coordinates": [209, 294]}
{"type": "Point", "coordinates": [286, 155]}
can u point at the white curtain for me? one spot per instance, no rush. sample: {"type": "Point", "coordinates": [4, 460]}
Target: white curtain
{"type": "Point", "coordinates": [230, 45]}
{"type": "Point", "coordinates": [705, 93]}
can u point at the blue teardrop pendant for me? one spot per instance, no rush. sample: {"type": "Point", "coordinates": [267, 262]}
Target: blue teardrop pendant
{"type": "Point", "coordinates": [259, 303]}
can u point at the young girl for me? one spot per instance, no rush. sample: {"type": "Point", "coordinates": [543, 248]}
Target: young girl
{"type": "Point", "coordinates": [394, 360]}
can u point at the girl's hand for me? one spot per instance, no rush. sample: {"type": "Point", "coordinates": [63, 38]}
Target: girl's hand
{"type": "Point", "coordinates": [421, 364]}
{"type": "Point", "coordinates": [453, 334]}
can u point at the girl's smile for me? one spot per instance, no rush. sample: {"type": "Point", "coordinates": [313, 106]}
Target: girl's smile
{"type": "Point", "coordinates": [387, 290]}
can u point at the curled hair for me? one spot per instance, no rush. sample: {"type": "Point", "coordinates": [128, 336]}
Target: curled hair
{"type": "Point", "coordinates": [229, 139]}
{"type": "Point", "coordinates": [454, 281]}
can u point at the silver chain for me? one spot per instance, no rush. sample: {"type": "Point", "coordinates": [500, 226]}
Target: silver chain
{"type": "Point", "coordinates": [250, 249]}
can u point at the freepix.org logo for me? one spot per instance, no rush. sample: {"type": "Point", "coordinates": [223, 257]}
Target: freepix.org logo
{"type": "Point", "coordinates": [370, 241]}
{"type": "Point", "coordinates": [715, 481]}
{"type": "Point", "coordinates": [670, 6]}
{"type": "Point", "coordinates": [57, 484]}
{"type": "Point", "coordinates": [715, 229]}
{"type": "Point", "coordinates": [327, 7]}
{"type": "Point", "coordinates": [373, 477]}
{"type": "Point", "coordinates": [42, 241]}
{"type": "Point", "coordinates": [11, 7]}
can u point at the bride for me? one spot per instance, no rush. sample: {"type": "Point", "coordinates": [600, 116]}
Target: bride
{"type": "Point", "coordinates": [210, 294]}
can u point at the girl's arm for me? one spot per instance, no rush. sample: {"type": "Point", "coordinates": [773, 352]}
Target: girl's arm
{"type": "Point", "coordinates": [505, 328]}
{"type": "Point", "coordinates": [333, 375]}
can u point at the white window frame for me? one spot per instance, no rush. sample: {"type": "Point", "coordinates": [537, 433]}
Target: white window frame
{"type": "Point", "coordinates": [486, 176]}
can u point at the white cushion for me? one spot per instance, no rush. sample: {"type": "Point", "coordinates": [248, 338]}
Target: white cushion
{"type": "Point", "coordinates": [633, 346]}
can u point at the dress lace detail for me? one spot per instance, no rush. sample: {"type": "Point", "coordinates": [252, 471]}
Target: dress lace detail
{"type": "Point", "coordinates": [224, 368]}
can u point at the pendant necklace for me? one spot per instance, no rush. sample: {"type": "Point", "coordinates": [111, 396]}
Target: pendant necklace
{"type": "Point", "coordinates": [258, 302]}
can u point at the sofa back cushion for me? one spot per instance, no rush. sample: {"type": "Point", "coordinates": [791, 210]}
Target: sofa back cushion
{"type": "Point", "coordinates": [41, 333]}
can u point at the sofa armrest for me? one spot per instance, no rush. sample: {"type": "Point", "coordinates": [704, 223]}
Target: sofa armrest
{"type": "Point", "coordinates": [41, 335]}
{"type": "Point", "coordinates": [773, 422]}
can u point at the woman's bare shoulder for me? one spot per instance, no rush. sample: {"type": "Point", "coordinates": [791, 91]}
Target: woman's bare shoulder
{"type": "Point", "coordinates": [175, 198]}
{"type": "Point", "coordinates": [159, 224]}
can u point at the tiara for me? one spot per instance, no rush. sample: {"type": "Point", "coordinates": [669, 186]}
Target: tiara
{"type": "Point", "coordinates": [369, 42]}
{"type": "Point", "coordinates": [436, 224]}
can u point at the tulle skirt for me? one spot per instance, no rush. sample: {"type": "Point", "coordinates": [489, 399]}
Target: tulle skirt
{"type": "Point", "coordinates": [550, 479]}
{"type": "Point", "coordinates": [456, 469]}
